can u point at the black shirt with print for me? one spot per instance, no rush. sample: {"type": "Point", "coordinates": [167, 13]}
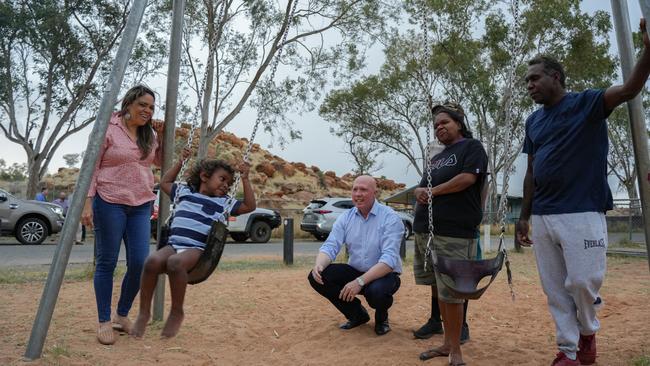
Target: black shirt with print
{"type": "Point", "coordinates": [456, 214]}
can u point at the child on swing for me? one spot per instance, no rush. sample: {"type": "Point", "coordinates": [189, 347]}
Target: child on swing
{"type": "Point", "coordinates": [202, 201]}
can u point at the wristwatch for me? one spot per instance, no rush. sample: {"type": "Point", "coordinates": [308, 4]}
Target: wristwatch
{"type": "Point", "coordinates": [360, 281]}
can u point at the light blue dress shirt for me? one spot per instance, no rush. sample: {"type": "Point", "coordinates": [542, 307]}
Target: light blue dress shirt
{"type": "Point", "coordinates": [368, 240]}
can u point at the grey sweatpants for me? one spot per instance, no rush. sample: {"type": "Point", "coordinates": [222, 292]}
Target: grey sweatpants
{"type": "Point", "coordinates": [570, 250]}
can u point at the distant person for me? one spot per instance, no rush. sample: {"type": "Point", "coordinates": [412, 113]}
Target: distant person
{"type": "Point", "coordinates": [119, 204]}
{"type": "Point", "coordinates": [42, 195]}
{"type": "Point", "coordinates": [62, 201]}
{"type": "Point", "coordinates": [201, 202]}
{"type": "Point", "coordinates": [566, 192]}
{"type": "Point", "coordinates": [372, 234]}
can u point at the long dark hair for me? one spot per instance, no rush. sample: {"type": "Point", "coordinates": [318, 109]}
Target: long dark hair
{"type": "Point", "coordinates": [145, 132]}
{"type": "Point", "coordinates": [456, 112]}
{"type": "Point", "coordinates": [208, 167]}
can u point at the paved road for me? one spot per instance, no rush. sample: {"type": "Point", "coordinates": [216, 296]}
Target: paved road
{"type": "Point", "coordinates": [14, 254]}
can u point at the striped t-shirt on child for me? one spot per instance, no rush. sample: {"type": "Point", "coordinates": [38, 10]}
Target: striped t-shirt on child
{"type": "Point", "coordinates": [193, 217]}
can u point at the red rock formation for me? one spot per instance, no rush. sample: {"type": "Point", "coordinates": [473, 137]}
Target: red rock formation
{"type": "Point", "coordinates": [266, 168]}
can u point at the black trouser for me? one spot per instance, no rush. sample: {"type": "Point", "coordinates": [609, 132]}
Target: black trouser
{"type": "Point", "coordinates": [378, 293]}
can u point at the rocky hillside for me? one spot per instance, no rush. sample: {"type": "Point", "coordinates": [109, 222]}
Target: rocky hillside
{"type": "Point", "coordinates": [278, 183]}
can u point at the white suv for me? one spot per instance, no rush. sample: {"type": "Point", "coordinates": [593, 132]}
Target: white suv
{"type": "Point", "coordinates": [320, 214]}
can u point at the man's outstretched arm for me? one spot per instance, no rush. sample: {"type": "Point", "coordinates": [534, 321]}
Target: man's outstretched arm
{"type": "Point", "coordinates": [618, 94]}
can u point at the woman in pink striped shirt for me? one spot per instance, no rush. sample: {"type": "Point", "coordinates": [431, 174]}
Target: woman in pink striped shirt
{"type": "Point", "coordinates": [119, 204]}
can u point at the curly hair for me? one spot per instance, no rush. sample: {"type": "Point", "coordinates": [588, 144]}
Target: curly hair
{"type": "Point", "coordinates": [145, 133]}
{"type": "Point", "coordinates": [207, 167]}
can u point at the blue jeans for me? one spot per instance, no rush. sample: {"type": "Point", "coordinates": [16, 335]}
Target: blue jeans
{"type": "Point", "coordinates": [114, 223]}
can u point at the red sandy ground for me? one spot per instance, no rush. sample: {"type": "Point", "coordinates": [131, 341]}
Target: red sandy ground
{"type": "Point", "coordinates": [273, 317]}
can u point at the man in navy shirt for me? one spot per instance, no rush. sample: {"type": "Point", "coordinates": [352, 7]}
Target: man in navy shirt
{"type": "Point", "coordinates": [566, 191]}
{"type": "Point", "coordinates": [372, 234]}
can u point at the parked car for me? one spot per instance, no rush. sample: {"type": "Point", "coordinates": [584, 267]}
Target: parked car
{"type": "Point", "coordinates": [256, 225]}
{"type": "Point", "coordinates": [31, 222]}
{"type": "Point", "coordinates": [320, 214]}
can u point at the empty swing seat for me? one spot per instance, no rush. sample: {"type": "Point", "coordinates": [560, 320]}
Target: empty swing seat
{"type": "Point", "coordinates": [462, 276]}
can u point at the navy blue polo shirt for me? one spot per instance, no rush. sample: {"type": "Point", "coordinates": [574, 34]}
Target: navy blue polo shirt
{"type": "Point", "coordinates": [569, 145]}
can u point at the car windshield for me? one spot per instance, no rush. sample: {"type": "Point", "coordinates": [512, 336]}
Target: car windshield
{"type": "Point", "coordinates": [315, 204]}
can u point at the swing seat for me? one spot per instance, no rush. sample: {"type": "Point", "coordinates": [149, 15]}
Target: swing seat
{"type": "Point", "coordinates": [209, 260]}
{"type": "Point", "coordinates": [461, 276]}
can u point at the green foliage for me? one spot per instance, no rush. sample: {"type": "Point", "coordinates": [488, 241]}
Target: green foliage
{"type": "Point", "coordinates": [478, 57]}
{"type": "Point", "coordinates": [16, 172]}
{"type": "Point", "coordinates": [71, 159]}
{"type": "Point", "coordinates": [643, 360]}
{"type": "Point", "coordinates": [55, 59]}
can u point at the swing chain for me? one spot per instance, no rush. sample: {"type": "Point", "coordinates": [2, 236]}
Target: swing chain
{"type": "Point", "coordinates": [424, 25]}
{"type": "Point", "coordinates": [503, 201]}
{"type": "Point", "coordinates": [274, 66]}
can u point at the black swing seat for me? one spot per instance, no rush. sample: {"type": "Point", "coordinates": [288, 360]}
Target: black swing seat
{"type": "Point", "coordinates": [209, 260]}
{"type": "Point", "coordinates": [461, 276]}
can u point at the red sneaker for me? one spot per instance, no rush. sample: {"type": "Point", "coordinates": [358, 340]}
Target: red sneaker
{"type": "Point", "coordinates": [562, 360]}
{"type": "Point", "coordinates": [587, 349]}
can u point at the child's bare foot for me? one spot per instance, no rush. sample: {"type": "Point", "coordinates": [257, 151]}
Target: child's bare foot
{"type": "Point", "coordinates": [140, 325]}
{"type": "Point", "coordinates": [173, 324]}
{"type": "Point", "coordinates": [121, 323]}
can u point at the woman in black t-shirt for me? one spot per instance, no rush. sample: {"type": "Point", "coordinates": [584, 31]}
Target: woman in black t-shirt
{"type": "Point", "coordinates": [457, 175]}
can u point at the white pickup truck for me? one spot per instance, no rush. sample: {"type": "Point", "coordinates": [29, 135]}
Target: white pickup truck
{"type": "Point", "coordinates": [256, 225]}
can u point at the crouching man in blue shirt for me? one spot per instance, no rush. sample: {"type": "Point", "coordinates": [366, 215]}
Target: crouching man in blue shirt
{"type": "Point", "coordinates": [372, 234]}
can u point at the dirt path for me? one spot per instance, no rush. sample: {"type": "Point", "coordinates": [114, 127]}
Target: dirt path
{"type": "Point", "coordinates": [273, 317]}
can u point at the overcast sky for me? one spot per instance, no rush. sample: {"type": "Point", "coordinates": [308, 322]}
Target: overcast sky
{"type": "Point", "coordinates": [318, 146]}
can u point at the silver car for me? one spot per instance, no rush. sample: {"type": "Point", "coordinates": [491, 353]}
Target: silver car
{"type": "Point", "coordinates": [319, 216]}
{"type": "Point", "coordinates": [31, 222]}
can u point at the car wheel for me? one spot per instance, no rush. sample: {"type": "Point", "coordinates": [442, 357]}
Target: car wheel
{"type": "Point", "coordinates": [239, 236]}
{"type": "Point", "coordinates": [260, 232]}
{"type": "Point", "coordinates": [321, 236]}
{"type": "Point", "coordinates": [407, 230]}
{"type": "Point", "coordinates": [32, 230]}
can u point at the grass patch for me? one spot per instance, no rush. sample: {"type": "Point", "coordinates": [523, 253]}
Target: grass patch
{"type": "Point", "coordinates": [84, 272]}
{"type": "Point", "coordinates": [626, 243]}
{"type": "Point", "coordinates": [641, 361]}
{"type": "Point", "coordinates": [74, 273]}
{"type": "Point", "coordinates": [58, 351]}
{"type": "Point", "coordinates": [265, 264]}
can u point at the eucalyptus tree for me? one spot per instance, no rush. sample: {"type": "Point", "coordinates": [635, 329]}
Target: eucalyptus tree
{"type": "Point", "coordinates": [54, 61]}
{"type": "Point", "coordinates": [326, 42]}
{"type": "Point", "coordinates": [476, 55]}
